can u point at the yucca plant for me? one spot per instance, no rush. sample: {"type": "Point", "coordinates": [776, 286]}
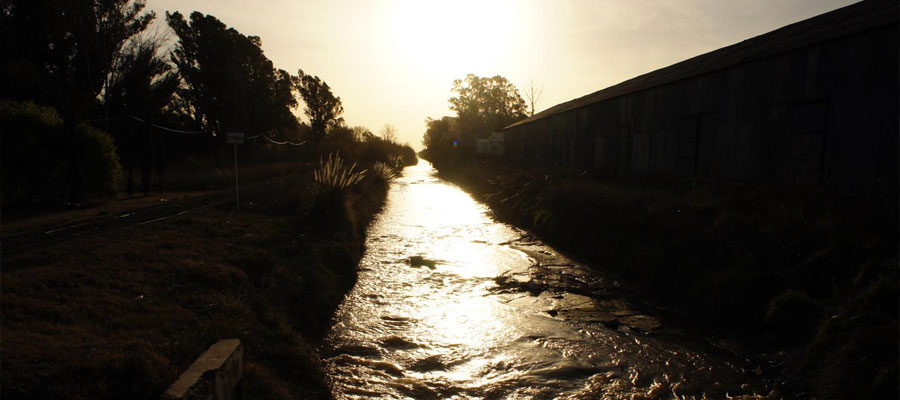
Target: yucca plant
{"type": "Point", "coordinates": [334, 175]}
{"type": "Point", "coordinates": [384, 171]}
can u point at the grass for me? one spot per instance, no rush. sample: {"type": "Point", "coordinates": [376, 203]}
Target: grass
{"type": "Point", "coordinates": [121, 313]}
{"type": "Point", "coordinates": [813, 275]}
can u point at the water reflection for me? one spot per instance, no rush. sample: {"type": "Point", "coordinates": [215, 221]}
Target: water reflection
{"type": "Point", "coordinates": [430, 318]}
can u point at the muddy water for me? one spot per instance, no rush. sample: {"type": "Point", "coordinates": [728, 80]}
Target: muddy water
{"type": "Point", "coordinates": [451, 304]}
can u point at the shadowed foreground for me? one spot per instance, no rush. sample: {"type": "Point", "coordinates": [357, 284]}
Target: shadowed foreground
{"type": "Point", "coordinates": [807, 282]}
{"type": "Point", "coordinates": [121, 312]}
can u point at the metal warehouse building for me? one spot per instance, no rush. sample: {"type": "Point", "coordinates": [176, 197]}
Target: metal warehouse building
{"type": "Point", "coordinates": [813, 105]}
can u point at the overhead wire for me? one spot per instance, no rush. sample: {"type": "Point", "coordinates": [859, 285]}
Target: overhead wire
{"type": "Point", "coordinates": [254, 137]}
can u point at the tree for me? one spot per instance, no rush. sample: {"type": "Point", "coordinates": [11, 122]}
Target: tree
{"type": "Point", "coordinates": [389, 133]}
{"type": "Point", "coordinates": [142, 81]}
{"type": "Point", "coordinates": [533, 95]}
{"type": "Point", "coordinates": [322, 107]}
{"type": "Point", "coordinates": [441, 139]}
{"type": "Point", "coordinates": [61, 52]}
{"type": "Point", "coordinates": [142, 84]}
{"type": "Point", "coordinates": [229, 84]}
{"type": "Point", "coordinates": [484, 105]}
{"type": "Point", "coordinates": [362, 134]}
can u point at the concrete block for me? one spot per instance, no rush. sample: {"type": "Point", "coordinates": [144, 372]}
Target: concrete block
{"type": "Point", "coordinates": [213, 376]}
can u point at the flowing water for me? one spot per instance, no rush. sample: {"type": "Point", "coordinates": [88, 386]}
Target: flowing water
{"type": "Point", "coordinates": [452, 304]}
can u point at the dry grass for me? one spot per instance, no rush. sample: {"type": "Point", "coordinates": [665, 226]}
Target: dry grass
{"type": "Point", "coordinates": [121, 313]}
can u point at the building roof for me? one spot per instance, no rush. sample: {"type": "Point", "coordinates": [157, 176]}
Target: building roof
{"type": "Point", "coordinates": [855, 18]}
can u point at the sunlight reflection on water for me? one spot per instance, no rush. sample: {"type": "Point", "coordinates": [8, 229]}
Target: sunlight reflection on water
{"type": "Point", "coordinates": [436, 329]}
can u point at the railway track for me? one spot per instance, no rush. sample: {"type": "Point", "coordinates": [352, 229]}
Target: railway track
{"type": "Point", "coordinates": [36, 237]}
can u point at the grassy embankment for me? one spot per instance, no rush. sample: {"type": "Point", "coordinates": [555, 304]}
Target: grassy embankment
{"type": "Point", "coordinates": [121, 313]}
{"type": "Point", "coordinates": [814, 277]}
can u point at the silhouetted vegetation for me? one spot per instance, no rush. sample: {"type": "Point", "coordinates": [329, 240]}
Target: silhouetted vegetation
{"type": "Point", "coordinates": [483, 105]}
{"type": "Point", "coordinates": [441, 140]}
{"type": "Point", "coordinates": [167, 110]}
{"type": "Point", "coordinates": [229, 84]}
{"type": "Point", "coordinates": [44, 164]}
{"type": "Point", "coordinates": [322, 107]}
{"type": "Point", "coordinates": [62, 53]}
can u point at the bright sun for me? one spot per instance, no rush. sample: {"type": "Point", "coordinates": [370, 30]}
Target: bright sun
{"type": "Point", "coordinates": [455, 37]}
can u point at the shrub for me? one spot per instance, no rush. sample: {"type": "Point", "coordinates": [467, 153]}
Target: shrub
{"type": "Point", "coordinates": [31, 170]}
{"type": "Point", "coordinates": [384, 172]}
{"type": "Point", "coordinates": [42, 163]}
{"type": "Point", "coordinates": [99, 169]}
{"type": "Point", "coordinates": [395, 162]}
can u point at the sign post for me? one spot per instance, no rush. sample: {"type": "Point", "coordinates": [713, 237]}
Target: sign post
{"type": "Point", "coordinates": [236, 138]}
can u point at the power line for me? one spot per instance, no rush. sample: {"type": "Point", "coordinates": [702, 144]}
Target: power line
{"type": "Point", "coordinates": [169, 129]}
{"type": "Point", "coordinates": [277, 142]}
{"type": "Point", "coordinates": [264, 136]}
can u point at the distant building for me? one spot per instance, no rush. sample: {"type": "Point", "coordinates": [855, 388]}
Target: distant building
{"type": "Point", "coordinates": [492, 145]}
{"type": "Point", "coordinates": [810, 106]}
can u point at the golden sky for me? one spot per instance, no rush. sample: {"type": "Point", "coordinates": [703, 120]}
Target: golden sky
{"type": "Point", "coordinates": [394, 61]}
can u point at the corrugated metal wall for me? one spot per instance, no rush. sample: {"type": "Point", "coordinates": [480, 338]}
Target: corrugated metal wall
{"type": "Point", "coordinates": [819, 117]}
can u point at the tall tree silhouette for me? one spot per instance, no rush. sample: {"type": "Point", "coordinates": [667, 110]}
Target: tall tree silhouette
{"type": "Point", "coordinates": [61, 52]}
{"type": "Point", "coordinates": [322, 107]}
{"type": "Point", "coordinates": [533, 94]}
{"type": "Point", "coordinates": [389, 133]}
{"type": "Point", "coordinates": [229, 84]}
{"type": "Point", "coordinates": [484, 105]}
{"type": "Point", "coordinates": [142, 85]}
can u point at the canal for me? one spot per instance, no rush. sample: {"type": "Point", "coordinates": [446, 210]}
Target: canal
{"type": "Point", "coordinates": [452, 304]}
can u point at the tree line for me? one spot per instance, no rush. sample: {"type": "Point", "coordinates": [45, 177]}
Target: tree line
{"type": "Point", "coordinates": [81, 77]}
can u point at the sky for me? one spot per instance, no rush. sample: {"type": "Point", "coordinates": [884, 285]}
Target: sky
{"type": "Point", "coordinates": [394, 61]}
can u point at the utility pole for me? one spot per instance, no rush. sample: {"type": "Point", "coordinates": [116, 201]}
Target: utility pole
{"type": "Point", "coordinates": [236, 138]}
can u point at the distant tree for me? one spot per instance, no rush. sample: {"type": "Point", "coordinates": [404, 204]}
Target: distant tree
{"type": "Point", "coordinates": [61, 53]}
{"type": "Point", "coordinates": [389, 133]}
{"type": "Point", "coordinates": [441, 139]}
{"type": "Point", "coordinates": [322, 107]}
{"type": "Point", "coordinates": [494, 101]}
{"type": "Point", "coordinates": [484, 105]}
{"type": "Point", "coordinates": [229, 84]}
{"type": "Point", "coordinates": [533, 94]}
{"type": "Point", "coordinates": [362, 134]}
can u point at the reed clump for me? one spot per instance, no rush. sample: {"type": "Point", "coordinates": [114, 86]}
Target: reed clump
{"type": "Point", "coordinates": [384, 172]}
{"type": "Point", "coordinates": [332, 174]}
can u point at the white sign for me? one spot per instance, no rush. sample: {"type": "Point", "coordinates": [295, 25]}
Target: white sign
{"type": "Point", "coordinates": [235, 137]}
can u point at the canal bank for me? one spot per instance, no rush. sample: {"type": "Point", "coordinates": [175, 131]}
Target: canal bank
{"type": "Point", "coordinates": [811, 280]}
{"type": "Point", "coordinates": [451, 303]}
{"type": "Point", "coordinates": [119, 312]}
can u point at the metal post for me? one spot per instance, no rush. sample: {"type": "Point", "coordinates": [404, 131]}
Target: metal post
{"type": "Point", "coordinates": [237, 201]}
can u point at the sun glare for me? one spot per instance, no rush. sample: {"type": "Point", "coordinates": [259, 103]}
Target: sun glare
{"type": "Point", "coordinates": [459, 37]}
